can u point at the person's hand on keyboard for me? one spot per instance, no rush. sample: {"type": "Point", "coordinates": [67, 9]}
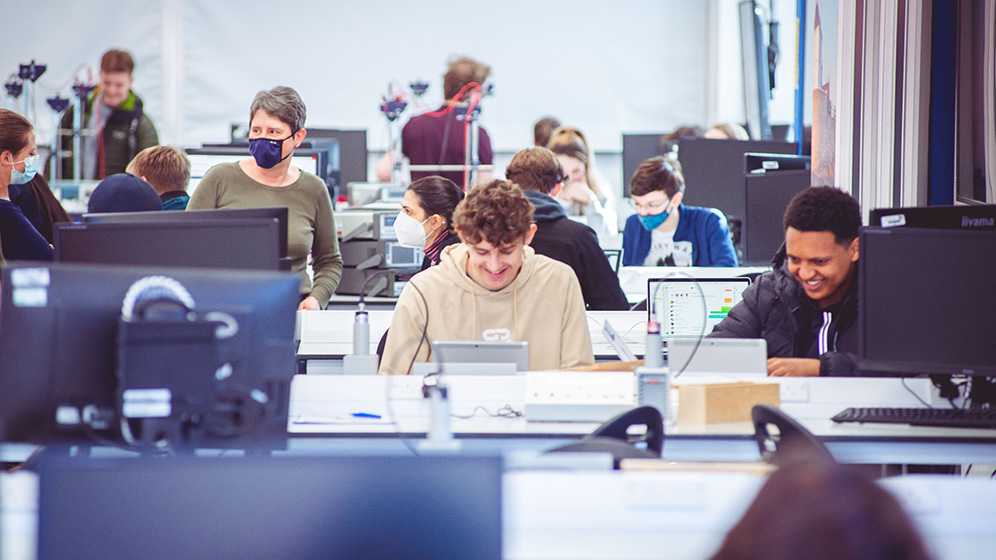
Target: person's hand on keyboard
{"type": "Point", "coordinates": [793, 367]}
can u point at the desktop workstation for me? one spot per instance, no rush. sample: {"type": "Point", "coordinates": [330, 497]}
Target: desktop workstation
{"type": "Point", "coordinates": [322, 420]}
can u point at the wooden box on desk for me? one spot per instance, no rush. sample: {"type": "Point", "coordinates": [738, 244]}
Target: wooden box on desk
{"type": "Point", "coordinates": [714, 403]}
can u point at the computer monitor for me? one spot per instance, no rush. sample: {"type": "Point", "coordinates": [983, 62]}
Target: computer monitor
{"type": "Point", "coordinates": [714, 171]}
{"type": "Point", "coordinates": [64, 346]}
{"type": "Point", "coordinates": [637, 148]}
{"type": "Point", "coordinates": [767, 193]}
{"type": "Point", "coordinates": [278, 213]}
{"type": "Point", "coordinates": [349, 508]}
{"type": "Point", "coordinates": [926, 296]}
{"type": "Point", "coordinates": [252, 244]}
{"type": "Point", "coordinates": [981, 217]}
{"type": "Point", "coordinates": [350, 160]}
{"type": "Point", "coordinates": [687, 307]}
{"type": "Point", "coordinates": [201, 159]}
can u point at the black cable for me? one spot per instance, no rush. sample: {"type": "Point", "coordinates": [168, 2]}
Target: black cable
{"type": "Point", "coordinates": [389, 404]}
{"type": "Point", "coordinates": [446, 138]}
{"type": "Point", "coordinates": [393, 417]}
{"type": "Point", "coordinates": [425, 329]}
{"type": "Point", "coordinates": [652, 306]}
{"type": "Point", "coordinates": [504, 412]}
{"type": "Point", "coordinates": [912, 392]}
{"type": "Point", "coordinates": [363, 286]}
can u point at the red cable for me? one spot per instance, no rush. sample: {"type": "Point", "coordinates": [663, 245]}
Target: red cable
{"type": "Point", "coordinates": [451, 104]}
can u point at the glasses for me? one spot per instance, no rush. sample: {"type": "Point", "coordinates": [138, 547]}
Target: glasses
{"type": "Point", "coordinates": [651, 207]}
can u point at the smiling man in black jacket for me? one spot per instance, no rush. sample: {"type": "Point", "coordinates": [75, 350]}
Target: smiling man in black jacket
{"type": "Point", "coordinates": [807, 307]}
{"type": "Point", "coordinates": [540, 176]}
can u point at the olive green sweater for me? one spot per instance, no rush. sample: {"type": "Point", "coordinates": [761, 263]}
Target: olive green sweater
{"type": "Point", "coordinates": [310, 223]}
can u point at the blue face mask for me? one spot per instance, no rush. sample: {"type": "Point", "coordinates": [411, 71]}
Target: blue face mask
{"type": "Point", "coordinates": [30, 170]}
{"type": "Point", "coordinates": [267, 151]}
{"type": "Point", "coordinates": [652, 222]}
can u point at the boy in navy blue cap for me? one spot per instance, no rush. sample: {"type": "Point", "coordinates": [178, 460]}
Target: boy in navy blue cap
{"type": "Point", "coordinates": [123, 192]}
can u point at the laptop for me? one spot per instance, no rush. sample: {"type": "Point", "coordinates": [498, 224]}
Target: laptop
{"type": "Point", "coordinates": [479, 357]}
{"type": "Point", "coordinates": [740, 357]}
{"type": "Point", "coordinates": [677, 303]}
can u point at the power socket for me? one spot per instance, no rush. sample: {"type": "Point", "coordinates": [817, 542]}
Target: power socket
{"type": "Point", "coordinates": [405, 387]}
{"type": "Point", "coordinates": [793, 389]}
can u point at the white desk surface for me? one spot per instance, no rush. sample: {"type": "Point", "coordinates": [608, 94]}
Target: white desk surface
{"type": "Point", "coordinates": [331, 400]}
{"type": "Point", "coordinates": [328, 334]}
{"type": "Point", "coordinates": [633, 279]}
{"type": "Point", "coordinates": [590, 514]}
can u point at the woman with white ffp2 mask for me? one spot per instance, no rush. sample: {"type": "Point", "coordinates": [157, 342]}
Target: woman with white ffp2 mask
{"type": "Point", "coordinates": [425, 220]}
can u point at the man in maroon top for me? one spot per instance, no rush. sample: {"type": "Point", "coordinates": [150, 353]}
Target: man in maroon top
{"type": "Point", "coordinates": [437, 138]}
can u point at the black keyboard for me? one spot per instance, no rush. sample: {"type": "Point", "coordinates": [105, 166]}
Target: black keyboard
{"type": "Point", "coordinates": [944, 417]}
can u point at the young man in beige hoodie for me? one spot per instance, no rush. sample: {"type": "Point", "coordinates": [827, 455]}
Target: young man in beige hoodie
{"type": "Point", "coordinates": [492, 287]}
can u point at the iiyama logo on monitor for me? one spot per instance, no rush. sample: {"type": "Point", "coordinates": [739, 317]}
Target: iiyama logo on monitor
{"type": "Point", "coordinates": [977, 222]}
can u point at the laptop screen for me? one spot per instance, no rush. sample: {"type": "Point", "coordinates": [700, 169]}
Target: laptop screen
{"type": "Point", "coordinates": [677, 303]}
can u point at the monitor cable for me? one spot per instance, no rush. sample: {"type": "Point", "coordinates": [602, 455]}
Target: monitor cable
{"type": "Point", "coordinates": [388, 385]}
{"type": "Point", "coordinates": [654, 324]}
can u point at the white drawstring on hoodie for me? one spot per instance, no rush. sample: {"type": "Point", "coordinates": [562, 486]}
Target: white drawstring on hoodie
{"type": "Point", "coordinates": [822, 342]}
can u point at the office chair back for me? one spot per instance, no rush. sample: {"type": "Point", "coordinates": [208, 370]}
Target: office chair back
{"type": "Point", "coordinates": [780, 437]}
{"type": "Point", "coordinates": [613, 437]}
{"type": "Point", "coordinates": [647, 416]}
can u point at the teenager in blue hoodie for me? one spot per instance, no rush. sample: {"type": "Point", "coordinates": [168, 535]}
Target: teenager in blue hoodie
{"type": "Point", "coordinates": [665, 232]}
{"type": "Point", "coordinates": [540, 176]}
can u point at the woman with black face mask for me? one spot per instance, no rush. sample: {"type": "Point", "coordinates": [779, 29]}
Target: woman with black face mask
{"type": "Point", "coordinates": [276, 129]}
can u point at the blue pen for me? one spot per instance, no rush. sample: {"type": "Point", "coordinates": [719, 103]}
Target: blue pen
{"type": "Point", "coordinates": [365, 415]}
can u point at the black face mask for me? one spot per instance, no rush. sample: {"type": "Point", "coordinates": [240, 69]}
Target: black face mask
{"type": "Point", "coordinates": [267, 152]}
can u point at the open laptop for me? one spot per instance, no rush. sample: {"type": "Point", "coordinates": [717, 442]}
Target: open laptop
{"type": "Point", "coordinates": [677, 303]}
{"type": "Point", "coordinates": [740, 357]}
{"type": "Point", "coordinates": [467, 357]}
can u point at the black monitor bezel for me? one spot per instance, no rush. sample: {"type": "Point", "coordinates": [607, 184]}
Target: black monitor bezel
{"type": "Point", "coordinates": [172, 245]}
{"type": "Point", "coordinates": [269, 212]}
{"type": "Point", "coordinates": [878, 367]}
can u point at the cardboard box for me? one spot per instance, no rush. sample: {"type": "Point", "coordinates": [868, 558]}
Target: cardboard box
{"type": "Point", "coordinates": [717, 403]}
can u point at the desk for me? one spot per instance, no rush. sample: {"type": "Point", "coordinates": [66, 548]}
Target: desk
{"type": "Point", "coordinates": [590, 515]}
{"type": "Point", "coordinates": [630, 515]}
{"type": "Point", "coordinates": [337, 397]}
{"type": "Point", "coordinates": [633, 279]}
{"type": "Point", "coordinates": [326, 336]}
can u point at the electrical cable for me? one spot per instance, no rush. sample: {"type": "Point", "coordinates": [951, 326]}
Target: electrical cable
{"type": "Point", "coordinates": [504, 412]}
{"type": "Point", "coordinates": [70, 79]}
{"type": "Point", "coordinates": [912, 392]}
{"type": "Point", "coordinates": [389, 398]}
{"type": "Point", "coordinates": [652, 303]}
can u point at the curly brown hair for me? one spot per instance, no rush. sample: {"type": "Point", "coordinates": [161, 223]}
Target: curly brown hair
{"type": "Point", "coordinates": [496, 212]}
